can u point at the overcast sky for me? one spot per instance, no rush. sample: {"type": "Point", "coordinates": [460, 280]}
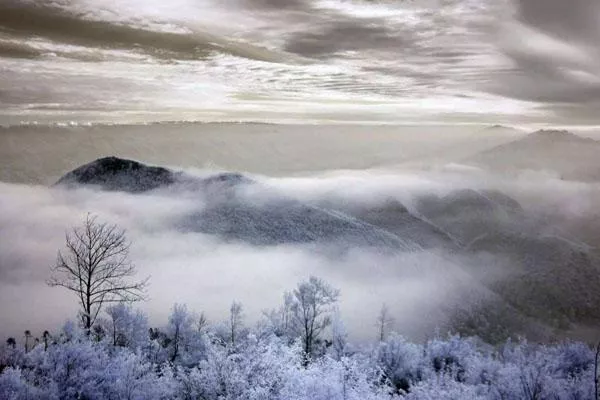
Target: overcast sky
{"type": "Point", "coordinates": [529, 60]}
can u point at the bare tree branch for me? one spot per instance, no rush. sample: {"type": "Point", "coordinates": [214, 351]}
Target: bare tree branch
{"type": "Point", "coordinates": [96, 266]}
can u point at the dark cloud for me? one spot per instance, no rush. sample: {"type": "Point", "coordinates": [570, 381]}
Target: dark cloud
{"type": "Point", "coordinates": [552, 46]}
{"type": "Point", "coordinates": [538, 78]}
{"type": "Point", "coordinates": [317, 32]}
{"type": "Point", "coordinates": [573, 19]}
{"type": "Point", "coordinates": [277, 4]}
{"type": "Point", "coordinates": [343, 35]}
{"type": "Point", "coordinates": [576, 113]}
{"type": "Point", "coordinates": [55, 23]}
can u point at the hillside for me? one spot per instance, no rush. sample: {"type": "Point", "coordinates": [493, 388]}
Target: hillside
{"type": "Point", "coordinates": [565, 154]}
{"type": "Point", "coordinates": [498, 273]}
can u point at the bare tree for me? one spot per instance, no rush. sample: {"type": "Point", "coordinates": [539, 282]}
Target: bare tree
{"type": "Point", "coordinates": [236, 319]}
{"type": "Point", "coordinates": [384, 322]}
{"type": "Point", "coordinates": [96, 267]}
{"type": "Point", "coordinates": [313, 301]}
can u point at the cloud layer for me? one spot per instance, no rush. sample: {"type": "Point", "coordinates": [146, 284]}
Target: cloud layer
{"type": "Point", "coordinates": [422, 287]}
{"type": "Point", "coordinates": [524, 60]}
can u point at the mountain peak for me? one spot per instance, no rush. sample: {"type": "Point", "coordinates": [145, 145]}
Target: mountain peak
{"type": "Point", "coordinates": [113, 173]}
{"type": "Point", "coordinates": [498, 127]}
{"type": "Point", "coordinates": [558, 135]}
{"type": "Point", "coordinates": [560, 152]}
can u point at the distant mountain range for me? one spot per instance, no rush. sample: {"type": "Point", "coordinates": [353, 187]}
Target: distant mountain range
{"type": "Point", "coordinates": [560, 152]}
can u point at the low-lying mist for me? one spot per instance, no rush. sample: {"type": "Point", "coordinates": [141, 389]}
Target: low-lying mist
{"type": "Point", "coordinates": [452, 248]}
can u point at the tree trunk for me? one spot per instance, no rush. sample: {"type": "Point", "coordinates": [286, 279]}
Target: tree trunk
{"type": "Point", "coordinates": [596, 356]}
{"type": "Point", "coordinates": [88, 307]}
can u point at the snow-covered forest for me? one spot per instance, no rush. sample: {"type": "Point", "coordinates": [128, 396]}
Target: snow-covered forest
{"type": "Point", "coordinates": [297, 351]}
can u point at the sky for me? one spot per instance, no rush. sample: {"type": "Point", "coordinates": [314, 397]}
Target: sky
{"type": "Point", "coordinates": [520, 61]}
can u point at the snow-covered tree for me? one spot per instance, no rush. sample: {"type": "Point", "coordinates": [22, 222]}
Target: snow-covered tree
{"type": "Point", "coordinates": [126, 327]}
{"type": "Point", "coordinates": [311, 307]}
{"type": "Point", "coordinates": [279, 321]}
{"type": "Point", "coordinates": [184, 343]}
{"type": "Point", "coordinates": [400, 361]}
{"type": "Point", "coordinates": [384, 322]}
{"type": "Point", "coordinates": [339, 336]}
{"type": "Point", "coordinates": [189, 359]}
